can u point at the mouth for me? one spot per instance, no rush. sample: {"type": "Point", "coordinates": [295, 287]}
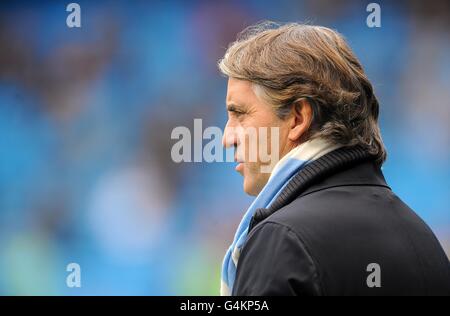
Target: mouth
{"type": "Point", "coordinates": [240, 166]}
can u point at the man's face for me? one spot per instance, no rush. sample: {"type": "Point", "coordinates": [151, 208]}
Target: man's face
{"type": "Point", "coordinates": [247, 114]}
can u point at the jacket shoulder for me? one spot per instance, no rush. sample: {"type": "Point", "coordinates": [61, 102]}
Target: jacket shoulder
{"type": "Point", "coordinates": [347, 228]}
{"type": "Point", "coordinates": [275, 262]}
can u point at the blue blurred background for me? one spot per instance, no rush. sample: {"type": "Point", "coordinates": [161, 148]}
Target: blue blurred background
{"type": "Point", "coordinates": [86, 115]}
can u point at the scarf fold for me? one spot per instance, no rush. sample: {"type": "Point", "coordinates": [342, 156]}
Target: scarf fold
{"type": "Point", "coordinates": [283, 171]}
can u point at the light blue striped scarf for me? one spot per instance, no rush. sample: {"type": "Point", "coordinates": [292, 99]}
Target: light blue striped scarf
{"type": "Point", "coordinates": [283, 171]}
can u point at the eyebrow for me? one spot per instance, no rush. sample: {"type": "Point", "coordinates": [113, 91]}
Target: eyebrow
{"type": "Point", "coordinates": [234, 107]}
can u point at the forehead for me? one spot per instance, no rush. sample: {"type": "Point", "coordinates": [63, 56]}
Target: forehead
{"type": "Point", "coordinates": [240, 91]}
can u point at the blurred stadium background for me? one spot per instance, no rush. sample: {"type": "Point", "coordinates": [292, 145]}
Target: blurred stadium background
{"type": "Point", "coordinates": [86, 116]}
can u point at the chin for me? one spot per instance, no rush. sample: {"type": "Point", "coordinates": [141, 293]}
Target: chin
{"type": "Point", "coordinates": [251, 188]}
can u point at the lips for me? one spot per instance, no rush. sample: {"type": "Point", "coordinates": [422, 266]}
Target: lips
{"type": "Point", "coordinates": [240, 166]}
{"type": "Point", "coordinates": [237, 158]}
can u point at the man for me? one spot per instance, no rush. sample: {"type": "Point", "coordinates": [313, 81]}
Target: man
{"type": "Point", "coordinates": [324, 221]}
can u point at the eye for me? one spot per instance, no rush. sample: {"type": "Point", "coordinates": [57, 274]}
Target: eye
{"type": "Point", "coordinates": [236, 112]}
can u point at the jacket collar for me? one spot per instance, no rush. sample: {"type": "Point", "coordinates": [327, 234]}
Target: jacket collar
{"type": "Point", "coordinates": [343, 166]}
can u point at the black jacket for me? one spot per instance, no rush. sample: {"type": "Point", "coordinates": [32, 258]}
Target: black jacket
{"type": "Point", "coordinates": [333, 220]}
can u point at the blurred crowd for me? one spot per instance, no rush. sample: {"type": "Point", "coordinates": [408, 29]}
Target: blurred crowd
{"type": "Point", "coordinates": [86, 116]}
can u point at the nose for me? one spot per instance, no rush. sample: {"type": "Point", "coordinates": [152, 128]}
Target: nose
{"type": "Point", "coordinates": [229, 138]}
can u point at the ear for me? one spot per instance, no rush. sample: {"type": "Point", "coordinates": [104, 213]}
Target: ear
{"type": "Point", "coordinates": [301, 120]}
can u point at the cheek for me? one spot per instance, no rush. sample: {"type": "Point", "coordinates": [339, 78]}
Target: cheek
{"type": "Point", "coordinates": [282, 137]}
{"type": "Point", "coordinates": [262, 134]}
{"type": "Point", "coordinates": [284, 130]}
